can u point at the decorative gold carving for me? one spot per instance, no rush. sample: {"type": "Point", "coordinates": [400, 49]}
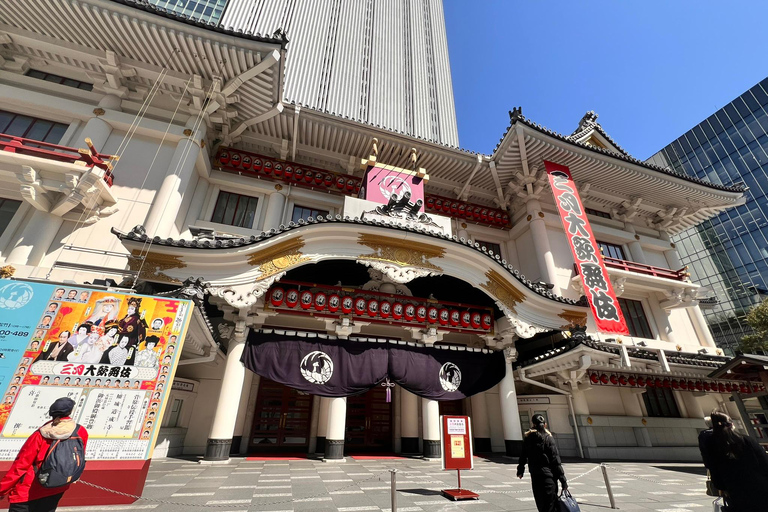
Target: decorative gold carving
{"type": "Point", "coordinates": [528, 218]}
{"type": "Point", "coordinates": [278, 187]}
{"type": "Point", "coordinates": [278, 258]}
{"type": "Point", "coordinates": [99, 111]}
{"type": "Point", "coordinates": [464, 225]}
{"type": "Point", "coordinates": [187, 132]}
{"type": "Point", "coordinates": [541, 214]}
{"type": "Point", "coordinates": [7, 271]}
{"type": "Point", "coordinates": [154, 265]}
{"type": "Point", "coordinates": [403, 253]}
{"type": "Point", "coordinates": [672, 245]}
{"type": "Point", "coordinates": [637, 237]}
{"type": "Point", "coordinates": [503, 290]}
{"type": "Point", "coordinates": [574, 318]}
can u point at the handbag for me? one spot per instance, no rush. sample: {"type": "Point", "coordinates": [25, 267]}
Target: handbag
{"type": "Point", "coordinates": [711, 489]}
{"type": "Point", "coordinates": [568, 502]}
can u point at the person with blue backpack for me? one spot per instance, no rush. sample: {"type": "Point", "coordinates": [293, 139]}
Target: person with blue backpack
{"type": "Point", "coordinates": [52, 458]}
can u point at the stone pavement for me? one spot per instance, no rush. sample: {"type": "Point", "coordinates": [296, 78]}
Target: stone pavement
{"type": "Point", "coordinates": [364, 485]}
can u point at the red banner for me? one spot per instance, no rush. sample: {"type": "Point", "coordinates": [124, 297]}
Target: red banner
{"type": "Point", "coordinates": [586, 253]}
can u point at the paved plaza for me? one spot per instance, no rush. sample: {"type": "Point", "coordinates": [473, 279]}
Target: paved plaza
{"type": "Point", "coordinates": [364, 485]}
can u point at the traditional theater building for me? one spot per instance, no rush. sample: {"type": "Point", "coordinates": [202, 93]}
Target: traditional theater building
{"type": "Point", "coordinates": [337, 314]}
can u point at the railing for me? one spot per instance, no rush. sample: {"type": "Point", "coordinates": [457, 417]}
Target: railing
{"type": "Point", "coordinates": [90, 157]}
{"type": "Point", "coordinates": [642, 268]}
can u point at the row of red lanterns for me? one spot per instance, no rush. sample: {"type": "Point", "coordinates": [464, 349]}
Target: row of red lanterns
{"type": "Point", "coordinates": [379, 308]}
{"type": "Point", "coordinates": [469, 211]}
{"type": "Point", "coordinates": [681, 384]}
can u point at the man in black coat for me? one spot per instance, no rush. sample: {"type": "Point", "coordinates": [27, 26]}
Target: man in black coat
{"type": "Point", "coordinates": [540, 452]}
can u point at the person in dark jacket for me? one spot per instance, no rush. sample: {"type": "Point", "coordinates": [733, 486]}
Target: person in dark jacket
{"type": "Point", "coordinates": [738, 465]}
{"type": "Point", "coordinates": [540, 452]}
{"type": "Point", "coordinates": [20, 484]}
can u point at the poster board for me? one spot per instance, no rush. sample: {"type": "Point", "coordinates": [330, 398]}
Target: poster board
{"type": "Point", "coordinates": [456, 442]}
{"type": "Point", "coordinates": [114, 354]}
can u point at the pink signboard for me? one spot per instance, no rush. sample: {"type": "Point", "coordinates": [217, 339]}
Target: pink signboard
{"type": "Point", "coordinates": [381, 182]}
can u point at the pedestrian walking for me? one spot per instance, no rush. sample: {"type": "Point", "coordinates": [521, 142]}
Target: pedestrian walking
{"type": "Point", "coordinates": [737, 464]}
{"type": "Point", "coordinates": [30, 484]}
{"type": "Point", "coordinates": [543, 459]}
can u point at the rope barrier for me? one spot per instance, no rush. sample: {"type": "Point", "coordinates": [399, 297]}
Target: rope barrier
{"type": "Point", "coordinates": [657, 482]}
{"type": "Point", "coordinates": [486, 491]}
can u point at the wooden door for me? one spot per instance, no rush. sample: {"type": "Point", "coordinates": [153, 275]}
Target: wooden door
{"type": "Point", "coordinates": [281, 420]}
{"type": "Point", "coordinates": [369, 422]}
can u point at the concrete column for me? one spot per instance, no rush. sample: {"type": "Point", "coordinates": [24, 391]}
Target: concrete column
{"type": "Point", "coordinates": [662, 321]}
{"type": "Point", "coordinates": [630, 402]}
{"type": "Point", "coordinates": [636, 252]}
{"type": "Point", "coordinates": [673, 260]}
{"type": "Point", "coordinates": [701, 326]}
{"type": "Point", "coordinates": [97, 129]}
{"type": "Point", "coordinates": [510, 415]}
{"type": "Point", "coordinates": [337, 422]}
{"type": "Point", "coordinates": [580, 405]}
{"type": "Point", "coordinates": [481, 428]}
{"type": "Point", "coordinates": [322, 424]}
{"type": "Point", "coordinates": [253, 394]}
{"type": "Point", "coordinates": [36, 239]}
{"type": "Point", "coordinates": [692, 406]}
{"type": "Point", "coordinates": [165, 205]}
{"type": "Point", "coordinates": [540, 237]}
{"type": "Point", "coordinates": [223, 428]}
{"type": "Point", "coordinates": [242, 409]}
{"type": "Point", "coordinates": [273, 216]}
{"type": "Point", "coordinates": [430, 413]}
{"type": "Point", "coordinates": [195, 211]}
{"type": "Point", "coordinates": [314, 417]}
{"type": "Point", "coordinates": [409, 422]}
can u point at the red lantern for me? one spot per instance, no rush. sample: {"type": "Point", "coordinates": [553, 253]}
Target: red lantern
{"type": "Point", "coordinates": [743, 389]}
{"type": "Point", "coordinates": [347, 304]}
{"type": "Point", "coordinates": [614, 380]}
{"type": "Point", "coordinates": [319, 178]}
{"type": "Point", "coordinates": [373, 307]}
{"type": "Point", "coordinates": [350, 185]}
{"type": "Point", "coordinates": [462, 211]}
{"type": "Point", "coordinates": [455, 317]}
{"type": "Point", "coordinates": [409, 312]}
{"type": "Point", "coordinates": [476, 321]}
{"type": "Point", "coordinates": [454, 207]}
{"type": "Point", "coordinates": [306, 299]}
{"type": "Point", "coordinates": [246, 162]}
{"type": "Point", "coordinates": [721, 387]}
{"type": "Point", "coordinates": [397, 310]}
{"type": "Point", "coordinates": [683, 384]}
{"type": "Point", "coordinates": [340, 182]}
{"type": "Point", "coordinates": [298, 174]}
{"type": "Point", "coordinates": [623, 380]}
{"type": "Point", "coordinates": [432, 314]}
{"type": "Point", "coordinates": [328, 180]}
{"type": "Point", "coordinates": [421, 313]}
{"type": "Point", "coordinates": [604, 379]}
{"type": "Point", "coordinates": [223, 158]}
{"type": "Point", "coordinates": [699, 385]}
{"type": "Point", "coordinates": [444, 316]}
{"type": "Point", "coordinates": [430, 202]}
{"type": "Point", "coordinates": [276, 299]}
{"type": "Point", "coordinates": [498, 218]}
{"type": "Point", "coordinates": [487, 321]}
{"type": "Point", "coordinates": [438, 204]}
{"type": "Point", "coordinates": [594, 378]}
{"type": "Point", "coordinates": [505, 219]}
{"type": "Point", "coordinates": [257, 164]}
{"type": "Point", "coordinates": [334, 302]}
{"type": "Point", "coordinates": [728, 387]}
{"type": "Point", "coordinates": [476, 212]}
{"type": "Point", "coordinates": [291, 298]}
{"type": "Point", "coordinates": [321, 300]}
{"type": "Point", "coordinates": [361, 305]}
{"type": "Point", "coordinates": [484, 214]}
{"type": "Point", "coordinates": [235, 160]}
{"type": "Point", "coordinates": [385, 309]}
{"type": "Point", "coordinates": [446, 206]}
{"type": "Point", "coordinates": [269, 167]}
{"type": "Point", "coordinates": [666, 383]}
{"type": "Point", "coordinates": [466, 318]}
{"type": "Point", "coordinates": [641, 382]}
{"type": "Point", "coordinates": [675, 384]}
{"type": "Point", "coordinates": [650, 383]}
{"type": "Point", "coordinates": [632, 381]}
{"type": "Point", "coordinates": [707, 387]}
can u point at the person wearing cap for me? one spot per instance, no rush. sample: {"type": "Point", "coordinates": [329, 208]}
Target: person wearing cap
{"type": "Point", "coordinates": [540, 452]}
{"type": "Point", "coordinates": [20, 484]}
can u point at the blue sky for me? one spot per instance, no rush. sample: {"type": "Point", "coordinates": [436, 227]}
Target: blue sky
{"type": "Point", "coordinates": [650, 69]}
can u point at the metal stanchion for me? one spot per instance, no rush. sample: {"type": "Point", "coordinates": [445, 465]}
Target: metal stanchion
{"type": "Point", "coordinates": [393, 489]}
{"type": "Point", "coordinates": [608, 485]}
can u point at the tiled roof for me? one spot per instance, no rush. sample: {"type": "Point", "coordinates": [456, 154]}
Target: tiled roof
{"type": "Point", "coordinates": [194, 289]}
{"type": "Point", "coordinates": [588, 123]}
{"type": "Point", "coordinates": [516, 116]}
{"type": "Point", "coordinates": [138, 234]}
{"type": "Point", "coordinates": [674, 357]}
{"type": "Point", "coordinates": [278, 37]}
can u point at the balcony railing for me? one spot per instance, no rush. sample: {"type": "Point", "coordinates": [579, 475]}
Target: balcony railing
{"type": "Point", "coordinates": [642, 268]}
{"type": "Point", "coordinates": [89, 157]}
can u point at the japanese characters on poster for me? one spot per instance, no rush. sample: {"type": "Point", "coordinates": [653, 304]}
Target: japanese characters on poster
{"type": "Point", "coordinates": [113, 353]}
{"type": "Point", "coordinates": [586, 253]}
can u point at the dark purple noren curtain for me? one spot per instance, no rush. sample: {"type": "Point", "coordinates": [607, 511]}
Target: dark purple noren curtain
{"type": "Point", "coordinates": [335, 368]}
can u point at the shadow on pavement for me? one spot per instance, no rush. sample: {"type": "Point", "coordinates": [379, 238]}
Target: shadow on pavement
{"type": "Point", "coordinates": [421, 492]}
{"type": "Point", "coordinates": [692, 470]}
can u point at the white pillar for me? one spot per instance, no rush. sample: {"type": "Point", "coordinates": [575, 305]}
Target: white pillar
{"type": "Point", "coordinates": [580, 405]}
{"type": "Point", "coordinates": [273, 216]}
{"type": "Point", "coordinates": [662, 321]}
{"type": "Point", "coordinates": [510, 415]}
{"type": "Point", "coordinates": [166, 203]}
{"type": "Point", "coordinates": [430, 413]}
{"type": "Point", "coordinates": [337, 422]}
{"type": "Point", "coordinates": [253, 394]}
{"type": "Point", "coordinates": [322, 424]}
{"type": "Point", "coordinates": [701, 326]}
{"type": "Point", "coordinates": [242, 409]}
{"type": "Point", "coordinates": [36, 239]}
{"type": "Point", "coordinates": [635, 249]}
{"type": "Point", "coordinates": [223, 427]}
{"type": "Point", "coordinates": [195, 210]}
{"type": "Point", "coordinates": [481, 428]}
{"type": "Point", "coordinates": [409, 422]}
{"type": "Point", "coordinates": [692, 405]}
{"type": "Point", "coordinates": [540, 237]}
{"type": "Point", "coordinates": [673, 259]}
{"type": "Point", "coordinates": [97, 129]}
{"type": "Point", "coordinates": [630, 402]}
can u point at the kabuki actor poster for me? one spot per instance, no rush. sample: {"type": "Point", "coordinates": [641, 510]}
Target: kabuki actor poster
{"type": "Point", "coordinates": [586, 253]}
{"type": "Point", "coordinates": [113, 353]}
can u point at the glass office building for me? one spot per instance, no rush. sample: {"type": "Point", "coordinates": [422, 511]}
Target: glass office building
{"type": "Point", "coordinates": [728, 253]}
{"type": "Point", "coordinates": [206, 11]}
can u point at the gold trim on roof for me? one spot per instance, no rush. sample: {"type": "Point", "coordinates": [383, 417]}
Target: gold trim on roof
{"type": "Point", "coordinates": [574, 318]}
{"type": "Point", "coordinates": [154, 265]}
{"type": "Point", "coordinates": [278, 258]}
{"type": "Point", "coordinates": [503, 290]}
{"type": "Point", "coordinates": [403, 253]}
